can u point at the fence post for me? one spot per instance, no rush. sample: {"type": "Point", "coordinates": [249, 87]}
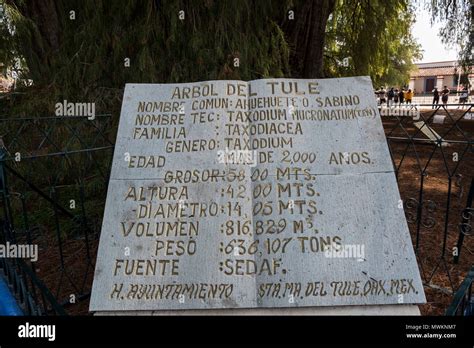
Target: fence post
{"type": "Point", "coordinates": [6, 223]}
{"type": "Point", "coordinates": [464, 226]}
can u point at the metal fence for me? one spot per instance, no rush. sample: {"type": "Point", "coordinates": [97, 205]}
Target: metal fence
{"type": "Point", "coordinates": [463, 303]}
{"type": "Point", "coordinates": [433, 155]}
{"type": "Point", "coordinates": [53, 180]}
{"type": "Point", "coordinates": [54, 175]}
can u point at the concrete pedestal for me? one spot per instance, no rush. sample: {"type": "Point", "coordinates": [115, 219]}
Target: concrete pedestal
{"type": "Point", "coordinates": [340, 310]}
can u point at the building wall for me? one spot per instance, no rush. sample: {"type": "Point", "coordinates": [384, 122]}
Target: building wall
{"type": "Point", "coordinates": [419, 85]}
{"type": "Point", "coordinates": [449, 81]}
{"type": "Point", "coordinates": [444, 72]}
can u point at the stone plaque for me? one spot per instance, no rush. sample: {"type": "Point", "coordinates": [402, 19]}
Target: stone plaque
{"type": "Point", "coordinates": [268, 193]}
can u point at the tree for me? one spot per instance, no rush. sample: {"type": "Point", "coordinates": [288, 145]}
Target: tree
{"type": "Point", "coordinates": [372, 37]}
{"type": "Point", "coordinates": [93, 51]}
{"type": "Point", "coordinates": [87, 50]}
{"type": "Point", "coordinates": [458, 30]}
{"type": "Point", "coordinates": [458, 19]}
{"type": "Point", "coordinates": [306, 35]}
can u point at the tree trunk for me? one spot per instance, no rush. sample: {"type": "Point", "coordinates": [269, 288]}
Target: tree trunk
{"type": "Point", "coordinates": [45, 17]}
{"type": "Point", "coordinates": [306, 33]}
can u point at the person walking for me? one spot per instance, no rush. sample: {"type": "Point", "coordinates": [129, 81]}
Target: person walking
{"type": "Point", "coordinates": [401, 95]}
{"type": "Point", "coordinates": [395, 96]}
{"type": "Point", "coordinates": [390, 96]}
{"type": "Point", "coordinates": [382, 96]}
{"type": "Point", "coordinates": [445, 95]}
{"type": "Point", "coordinates": [463, 97]}
{"type": "Point", "coordinates": [377, 96]}
{"type": "Point", "coordinates": [435, 97]}
{"type": "Point", "coordinates": [409, 96]}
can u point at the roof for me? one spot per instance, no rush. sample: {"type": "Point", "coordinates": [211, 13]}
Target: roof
{"type": "Point", "coordinates": [445, 68]}
{"type": "Point", "coordinates": [441, 71]}
{"type": "Point", "coordinates": [442, 64]}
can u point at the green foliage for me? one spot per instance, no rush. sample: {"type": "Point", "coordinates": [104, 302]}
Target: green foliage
{"type": "Point", "coordinates": [458, 30]}
{"type": "Point", "coordinates": [8, 47]}
{"type": "Point", "coordinates": [376, 38]}
{"type": "Point", "coordinates": [89, 62]}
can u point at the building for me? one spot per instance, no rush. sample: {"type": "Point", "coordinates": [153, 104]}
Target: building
{"type": "Point", "coordinates": [436, 74]}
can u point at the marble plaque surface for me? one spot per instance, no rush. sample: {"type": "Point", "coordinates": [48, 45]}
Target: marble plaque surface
{"type": "Point", "coordinates": [274, 193]}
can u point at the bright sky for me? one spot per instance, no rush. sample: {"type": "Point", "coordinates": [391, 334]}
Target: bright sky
{"type": "Point", "coordinates": [427, 36]}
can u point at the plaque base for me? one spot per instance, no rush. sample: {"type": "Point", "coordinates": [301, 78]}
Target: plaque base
{"type": "Point", "coordinates": [336, 310]}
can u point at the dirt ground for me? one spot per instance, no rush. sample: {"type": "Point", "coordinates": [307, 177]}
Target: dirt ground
{"type": "Point", "coordinates": [435, 164]}
{"type": "Point", "coordinates": [443, 200]}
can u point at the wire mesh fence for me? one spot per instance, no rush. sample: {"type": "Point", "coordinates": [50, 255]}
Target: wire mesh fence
{"type": "Point", "coordinates": [54, 175]}
{"type": "Point", "coordinates": [54, 178]}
